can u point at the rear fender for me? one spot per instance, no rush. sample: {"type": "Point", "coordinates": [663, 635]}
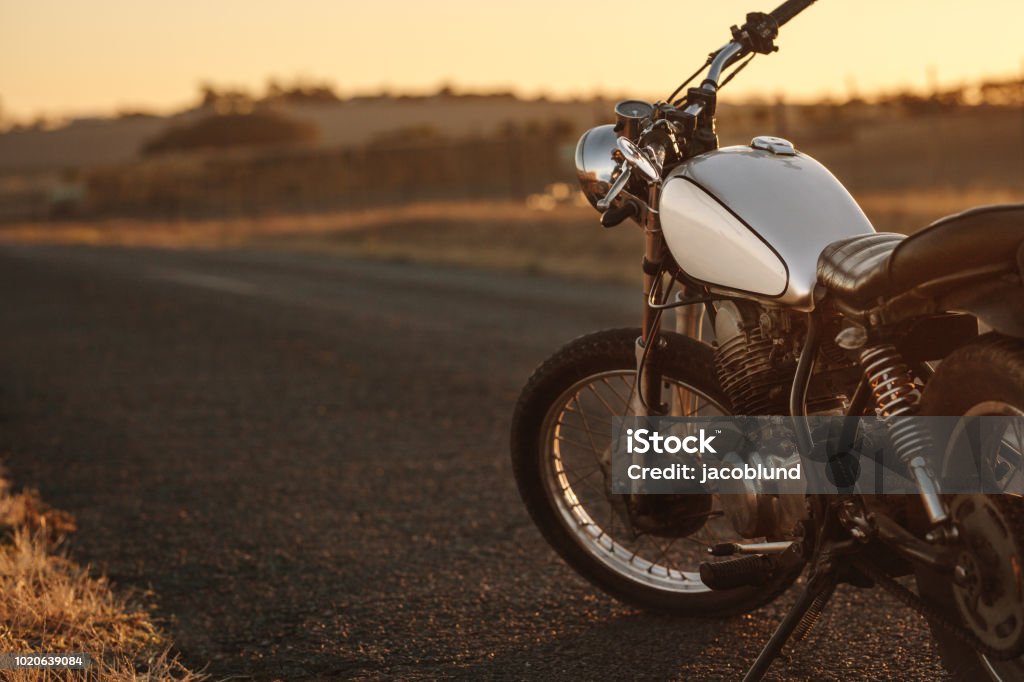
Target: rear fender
{"type": "Point", "coordinates": [995, 295]}
{"type": "Point", "coordinates": [998, 303]}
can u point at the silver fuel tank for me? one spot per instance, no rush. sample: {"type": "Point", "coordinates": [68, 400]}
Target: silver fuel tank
{"type": "Point", "coordinates": [754, 219]}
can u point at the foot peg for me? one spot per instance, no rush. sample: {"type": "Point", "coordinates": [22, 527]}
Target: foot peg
{"type": "Point", "coordinates": [731, 548]}
{"type": "Point", "coordinates": [754, 569]}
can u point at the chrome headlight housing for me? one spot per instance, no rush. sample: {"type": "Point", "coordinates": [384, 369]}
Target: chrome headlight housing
{"type": "Point", "coordinates": [595, 167]}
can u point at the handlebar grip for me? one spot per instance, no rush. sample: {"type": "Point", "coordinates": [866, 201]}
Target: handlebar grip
{"type": "Point", "coordinates": [614, 216]}
{"type": "Point", "coordinates": [789, 9]}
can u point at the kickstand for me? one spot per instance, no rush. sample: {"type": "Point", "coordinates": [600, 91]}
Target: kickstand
{"type": "Point", "coordinates": [808, 606]}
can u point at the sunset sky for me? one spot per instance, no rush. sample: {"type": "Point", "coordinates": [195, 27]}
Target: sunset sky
{"type": "Point", "coordinates": [60, 58]}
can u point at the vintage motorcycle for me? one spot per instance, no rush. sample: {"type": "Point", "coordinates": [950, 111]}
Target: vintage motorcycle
{"type": "Point", "coordinates": [811, 313]}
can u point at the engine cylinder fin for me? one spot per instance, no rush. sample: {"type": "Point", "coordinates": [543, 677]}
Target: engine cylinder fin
{"type": "Point", "coordinates": [752, 380]}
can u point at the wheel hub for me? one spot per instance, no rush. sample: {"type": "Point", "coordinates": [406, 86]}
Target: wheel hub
{"type": "Point", "coordinates": [672, 516]}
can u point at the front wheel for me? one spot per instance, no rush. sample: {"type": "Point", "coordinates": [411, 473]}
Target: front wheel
{"type": "Point", "coordinates": [985, 378]}
{"type": "Point", "coordinates": [561, 442]}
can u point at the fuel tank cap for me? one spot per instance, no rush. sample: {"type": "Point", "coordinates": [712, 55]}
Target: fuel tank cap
{"type": "Point", "coordinates": [775, 145]}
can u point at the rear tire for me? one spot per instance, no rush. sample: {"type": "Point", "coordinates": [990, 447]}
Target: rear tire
{"type": "Point", "coordinates": [988, 371]}
{"type": "Point", "coordinates": [684, 361]}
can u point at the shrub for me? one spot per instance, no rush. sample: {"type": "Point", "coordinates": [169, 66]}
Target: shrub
{"type": "Point", "coordinates": [222, 131]}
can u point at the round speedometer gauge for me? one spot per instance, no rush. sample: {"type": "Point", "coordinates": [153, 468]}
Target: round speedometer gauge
{"type": "Point", "coordinates": [634, 109]}
{"type": "Point", "coordinates": [628, 115]}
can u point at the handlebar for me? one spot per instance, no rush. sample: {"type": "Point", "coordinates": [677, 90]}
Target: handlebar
{"type": "Point", "coordinates": [723, 58]}
{"type": "Point", "coordinates": [757, 35]}
{"type": "Point", "coordinates": [789, 9]}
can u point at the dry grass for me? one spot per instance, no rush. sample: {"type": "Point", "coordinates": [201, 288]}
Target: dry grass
{"type": "Point", "coordinates": [218, 233]}
{"type": "Point", "coordinates": [48, 604]}
{"type": "Point", "coordinates": [565, 240]}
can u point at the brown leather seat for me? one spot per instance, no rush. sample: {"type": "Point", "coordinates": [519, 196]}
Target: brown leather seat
{"type": "Point", "coordinates": [863, 269]}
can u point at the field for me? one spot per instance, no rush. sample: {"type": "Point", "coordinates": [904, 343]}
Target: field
{"type": "Point", "coordinates": [545, 234]}
{"type": "Point", "coordinates": [470, 181]}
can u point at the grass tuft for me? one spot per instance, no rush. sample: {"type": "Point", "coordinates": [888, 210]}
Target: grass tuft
{"type": "Point", "coordinates": [49, 604]}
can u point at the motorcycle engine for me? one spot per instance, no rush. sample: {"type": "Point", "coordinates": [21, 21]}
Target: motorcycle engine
{"type": "Point", "coordinates": [752, 366]}
{"type": "Point", "coordinates": [769, 509]}
{"type": "Point", "coordinates": [755, 365]}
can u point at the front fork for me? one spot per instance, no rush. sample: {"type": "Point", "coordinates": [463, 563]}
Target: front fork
{"type": "Point", "coordinates": [648, 377]}
{"type": "Point", "coordinates": [689, 322]}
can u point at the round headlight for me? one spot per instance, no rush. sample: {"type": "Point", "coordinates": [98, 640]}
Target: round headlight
{"type": "Point", "coordinates": [594, 163]}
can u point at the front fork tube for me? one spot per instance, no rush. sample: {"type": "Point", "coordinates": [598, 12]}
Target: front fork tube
{"type": "Point", "coordinates": [689, 322]}
{"type": "Point", "coordinates": [649, 381]}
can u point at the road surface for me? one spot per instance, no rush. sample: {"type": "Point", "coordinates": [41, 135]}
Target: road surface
{"type": "Point", "coordinates": [304, 458]}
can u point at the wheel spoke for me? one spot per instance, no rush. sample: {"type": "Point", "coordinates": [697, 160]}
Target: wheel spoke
{"type": "Point", "coordinates": [577, 443]}
{"type": "Point", "coordinates": [603, 402]}
{"type": "Point", "coordinates": [574, 427]}
{"type": "Point", "coordinates": [664, 551]}
{"type": "Point", "coordinates": [625, 401]}
{"type": "Point", "coordinates": [593, 418]}
{"type": "Point", "coordinates": [590, 435]}
{"type": "Point", "coordinates": [582, 480]}
{"type": "Point", "coordinates": [580, 476]}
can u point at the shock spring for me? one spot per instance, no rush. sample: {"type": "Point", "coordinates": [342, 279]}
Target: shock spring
{"type": "Point", "coordinates": [896, 401]}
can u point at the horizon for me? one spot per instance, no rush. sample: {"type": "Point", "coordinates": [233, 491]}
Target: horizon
{"type": "Point", "coordinates": [454, 90]}
{"type": "Point", "coordinates": [65, 61]}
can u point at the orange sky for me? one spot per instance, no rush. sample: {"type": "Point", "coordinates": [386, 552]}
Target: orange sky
{"type": "Point", "coordinates": [94, 56]}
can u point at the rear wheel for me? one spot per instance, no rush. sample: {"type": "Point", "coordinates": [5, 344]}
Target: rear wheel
{"type": "Point", "coordinates": [561, 443]}
{"type": "Point", "coordinates": [984, 378]}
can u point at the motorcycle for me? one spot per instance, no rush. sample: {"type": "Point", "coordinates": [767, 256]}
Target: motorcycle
{"type": "Point", "coordinates": [811, 312]}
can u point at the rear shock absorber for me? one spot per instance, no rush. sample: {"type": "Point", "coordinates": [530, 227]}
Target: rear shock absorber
{"type": "Point", "coordinates": [896, 401]}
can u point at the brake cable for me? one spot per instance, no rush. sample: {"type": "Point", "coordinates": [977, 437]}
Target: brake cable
{"type": "Point", "coordinates": [737, 70]}
{"type": "Point", "coordinates": [655, 324]}
{"type": "Point", "coordinates": [688, 81]}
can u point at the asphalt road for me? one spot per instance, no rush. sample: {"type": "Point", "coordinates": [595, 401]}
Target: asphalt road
{"type": "Point", "coordinates": [304, 458]}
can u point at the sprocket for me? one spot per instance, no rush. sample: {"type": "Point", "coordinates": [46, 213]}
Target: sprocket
{"type": "Point", "coordinates": [988, 585]}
